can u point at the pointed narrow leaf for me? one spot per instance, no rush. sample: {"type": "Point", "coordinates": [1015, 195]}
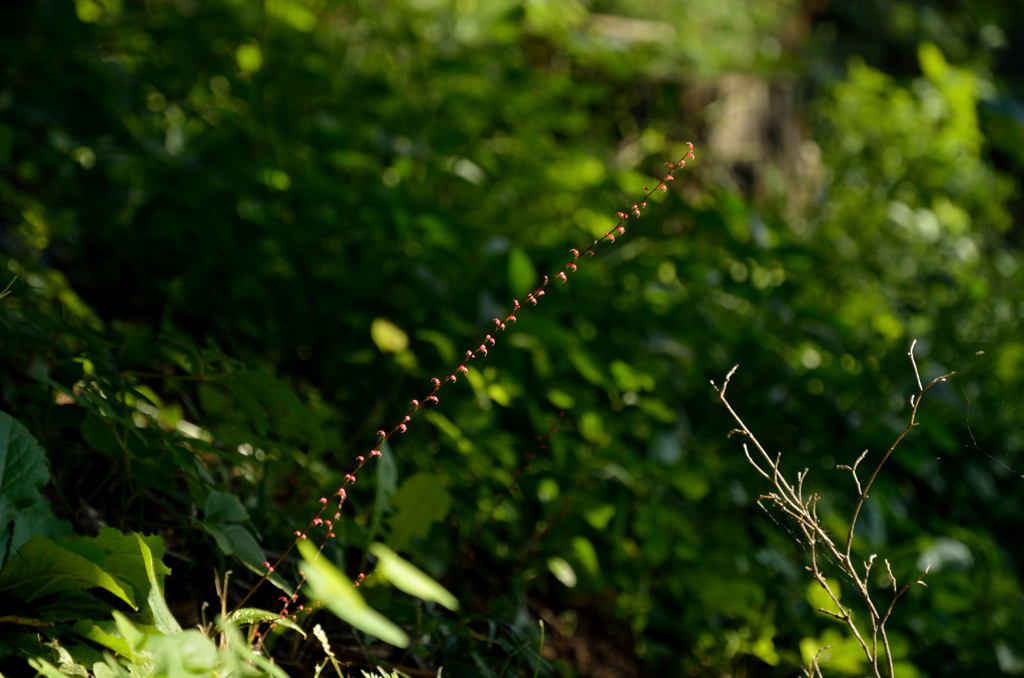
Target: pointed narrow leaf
{"type": "Point", "coordinates": [162, 617]}
{"type": "Point", "coordinates": [253, 615]}
{"type": "Point", "coordinates": [409, 578]}
{"type": "Point", "coordinates": [328, 585]}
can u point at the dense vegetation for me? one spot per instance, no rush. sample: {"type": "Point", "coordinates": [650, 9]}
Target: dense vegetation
{"type": "Point", "coordinates": [242, 236]}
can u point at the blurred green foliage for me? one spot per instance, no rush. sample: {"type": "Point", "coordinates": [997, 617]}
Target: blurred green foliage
{"type": "Point", "coordinates": [245, 234]}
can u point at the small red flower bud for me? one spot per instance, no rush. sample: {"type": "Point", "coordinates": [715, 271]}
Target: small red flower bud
{"type": "Point", "coordinates": [497, 323]}
{"type": "Point", "coordinates": [360, 459]}
{"type": "Point", "coordinates": [268, 566]}
{"type": "Point", "coordinates": [376, 453]}
{"type": "Point", "coordinates": [689, 145]}
{"type": "Point", "coordinates": [350, 478]}
{"type": "Point", "coordinates": [482, 349]}
{"type": "Point", "coordinates": [531, 298]}
{"type": "Point", "coordinates": [490, 339]}
{"type": "Point", "coordinates": [663, 187]}
{"type": "Point", "coordinates": [591, 251]}
{"type": "Point", "coordinates": [436, 381]}
{"type": "Point", "coordinates": [561, 274]}
{"type": "Point", "coordinates": [572, 266]}
{"type": "Point", "coordinates": [515, 304]}
{"type": "Point", "coordinates": [670, 164]}
{"type": "Point", "coordinates": [381, 434]}
{"type": "Point", "coordinates": [622, 215]}
{"type": "Point", "coordinates": [689, 155]}
{"type": "Point", "coordinates": [510, 318]}
{"type": "Point", "coordinates": [330, 535]}
{"type": "Point", "coordinates": [575, 253]}
{"type": "Point", "coordinates": [433, 399]}
{"type": "Point", "coordinates": [342, 493]}
{"type": "Point", "coordinates": [469, 355]}
{"type": "Point", "coordinates": [611, 237]}
{"type": "Point", "coordinates": [463, 369]}
{"type": "Point", "coordinates": [403, 428]}
{"type": "Point", "coordinates": [318, 521]}
{"type": "Point", "coordinates": [622, 229]}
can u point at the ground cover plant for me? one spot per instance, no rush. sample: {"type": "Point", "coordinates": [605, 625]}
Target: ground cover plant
{"type": "Point", "coordinates": [241, 236]}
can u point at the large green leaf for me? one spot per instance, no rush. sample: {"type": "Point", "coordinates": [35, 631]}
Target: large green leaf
{"type": "Point", "coordinates": [42, 566]}
{"type": "Point", "coordinates": [23, 472]}
{"type": "Point", "coordinates": [328, 585]}
{"type": "Point", "coordinates": [421, 501]}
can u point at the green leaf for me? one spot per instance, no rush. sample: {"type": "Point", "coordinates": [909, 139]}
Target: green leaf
{"type": "Point", "coordinates": [389, 337]}
{"type": "Point", "coordinates": [106, 636]}
{"type": "Point", "coordinates": [409, 578]}
{"type": "Point", "coordinates": [328, 585]}
{"type": "Point", "coordinates": [224, 507]}
{"type": "Point", "coordinates": [521, 273]}
{"type": "Point", "coordinates": [23, 472]}
{"type": "Point", "coordinates": [253, 615]}
{"type": "Point", "coordinates": [421, 501]}
{"type": "Point", "coordinates": [42, 567]}
{"type": "Point", "coordinates": [162, 617]}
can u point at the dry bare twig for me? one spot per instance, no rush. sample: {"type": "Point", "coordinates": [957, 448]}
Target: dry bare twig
{"type": "Point", "coordinates": [789, 497]}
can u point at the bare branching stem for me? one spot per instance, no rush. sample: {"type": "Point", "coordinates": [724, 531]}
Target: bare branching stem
{"type": "Point", "coordinates": [789, 498]}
